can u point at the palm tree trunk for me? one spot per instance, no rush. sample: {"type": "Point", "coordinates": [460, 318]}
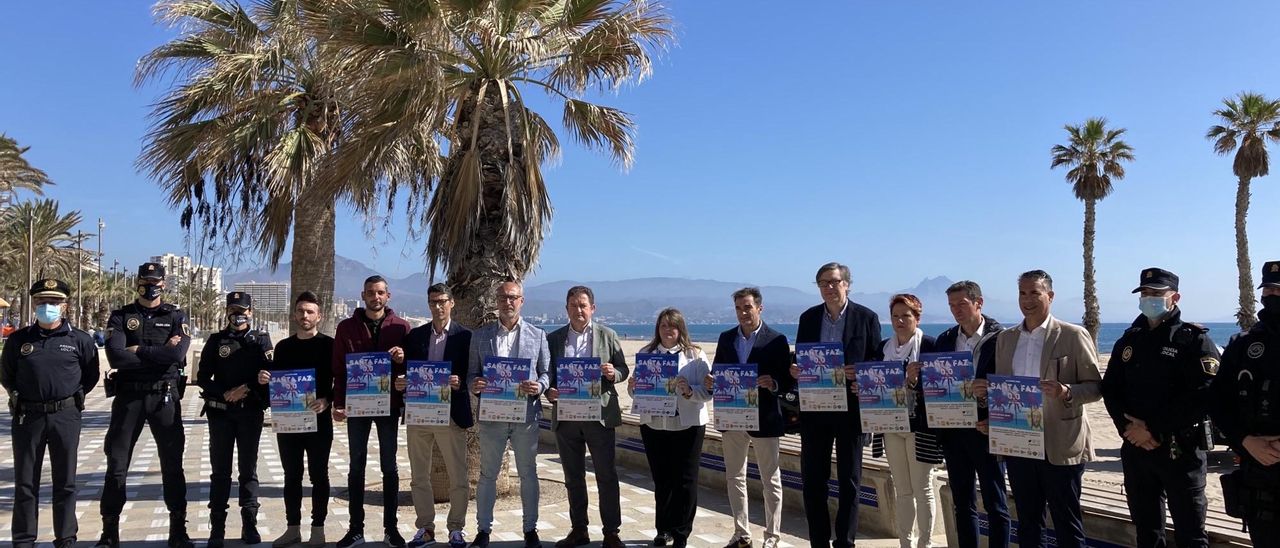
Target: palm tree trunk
{"type": "Point", "coordinates": [313, 254]}
{"type": "Point", "coordinates": [1091, 309]}
{"type": "Point", "coordinates": [1246, 316]}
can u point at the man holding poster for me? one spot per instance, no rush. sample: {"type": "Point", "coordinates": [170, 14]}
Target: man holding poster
{"type": "Point", "coordinates": [374, 329]}
{"type": "Point", "coordinates": [442, 340]}
{"type": "Point", "coordinates": [309, 351]}
{"type": "Point", "coordinates": [510, 339]}
{"type": "Point", "coordinates": [584, 339]}
{"type": "Point", "coordinates": [754, 342]}
{"type": "Point", "coordinates": [1063, 357]}
{"type": "Point", "coordinates": [857, 331]}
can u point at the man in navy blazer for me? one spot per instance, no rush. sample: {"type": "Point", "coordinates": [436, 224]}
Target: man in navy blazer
{"type": "Point", "coordinates": [761, 345]}
{"type": "Point", "coordinates": [510, 337]}
{"type": "Point", "coordinates": [857, 328]}
{"type": "Point", "coordinates": [441, 340]}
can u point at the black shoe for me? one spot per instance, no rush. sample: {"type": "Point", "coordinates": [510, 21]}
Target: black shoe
{"type": "Point", "coordinates": [577, 537]}
{"type": "Point", "coordinates": [393, 539]}
{"type": "Point", "coordinates": [178, 531]}
{"type": "Point", "coordinates": [352, 538]}
{"type": "Point", "coordinates": [531, 539]}
{"type": "Point", "coordinates": [249, 526]}
{"type": "Point", "coordinates": [481, 540]}
{"type": "Point", "coordinates": [739, 543]}
{"type": "Point", "coordinates": [110, 533]}
{"type": "Point", "coordinates": [662, 539]}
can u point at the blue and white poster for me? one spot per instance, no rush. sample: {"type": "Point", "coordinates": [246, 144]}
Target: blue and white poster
{"type": "Point", "coordinates": [292, 393]}
{"type": "Point", "coordinates": [427, 394]}
{"type": "Point", "coordinates": [501, 399]}
{"type": "Point", "coordinates": [736, 396]}
{"type": "Point", "coordinates": [946, 380]}
{"type": "Point", "coordinates": [1015, 408]}
{"type": "Point", "coordinates": [578, 382]}
{"type": "Point", "coordinates": [821, 381]}
{"type": "Point", "coordinates": [655, 392]}
{"type": "Point", "coordinates": [882, 397]}
{"type": "Point", "coordinates": [369, 384]}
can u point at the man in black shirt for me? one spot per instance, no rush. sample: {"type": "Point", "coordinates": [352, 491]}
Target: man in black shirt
{"type": "Point", "coordinates": [234, 398]}
{"type": "Point", "coordinates": [46, 369]}
{"type": "Point", "coordinates": [307, 349]}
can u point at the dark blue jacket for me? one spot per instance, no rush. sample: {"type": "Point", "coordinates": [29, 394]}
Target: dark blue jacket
{"type": "Point", "coordinates": [457, 345]}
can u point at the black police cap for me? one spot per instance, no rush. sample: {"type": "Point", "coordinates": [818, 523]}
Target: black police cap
{"type": "Point", "coordinates": [240, 299]}
{"type": "Point", "coordinates": [1270, 274]}
{"type": "Point", "coordinates": [1158, 279]}
{"type": "Point", "coordinates": [151, 271]}
{"type": "Point", "coordinates": [50, 287]}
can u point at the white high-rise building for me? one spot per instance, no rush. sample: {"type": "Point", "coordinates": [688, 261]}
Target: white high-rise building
{"type": "Point", "coordinates": [268, 297]}
{"type": "Point", "coordinates": [180, 268]}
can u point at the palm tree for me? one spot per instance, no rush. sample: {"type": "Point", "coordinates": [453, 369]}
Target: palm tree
{"type": "Point", "coordinates": [432, 73]}
{"type": "Point", "coordinates": [16, 172]}
{"type": "Point", "coordinates": [1247, 122]}
{"type": "Point", "coordinates": [1094, 154]}
{"type": "Point", "coordinates": [236, 141]}
{"type": "Point", "coordinates": [36, 238]}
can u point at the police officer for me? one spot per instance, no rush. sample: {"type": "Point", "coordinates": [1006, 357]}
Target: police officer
{"type": "Point", "coordinates": [1246, 409]}
{"type": "Point", "coordinates": [46, 369]}
{"type": "Point", "coordinates": [1156, 389]}
{"type": "Point", "coordinates": [147, 344]}
{"type": "Point", "coordinates": [234, 398]}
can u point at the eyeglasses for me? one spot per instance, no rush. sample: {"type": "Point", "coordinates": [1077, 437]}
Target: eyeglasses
{"type": "Point", "coordinates": [438, 302]}
{"type": "Point", "coordinates": [510, 298]}
{"type": "Point", "coordinates": [830, 284]}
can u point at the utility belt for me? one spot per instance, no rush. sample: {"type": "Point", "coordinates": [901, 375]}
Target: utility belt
{"type": "Point", "coordinates": [1193, 438]}
{"type": "Point", "coordinates": [113, 387]}
{"type": "Point", "coordinates": [21, 409]}
{"type": "Point", "coordinates": [1252, 493]}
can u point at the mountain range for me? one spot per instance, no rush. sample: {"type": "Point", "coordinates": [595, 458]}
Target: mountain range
{"type": "Point", "coordinates": [638, 300]}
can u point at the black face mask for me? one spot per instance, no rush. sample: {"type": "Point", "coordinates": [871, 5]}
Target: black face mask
{"type": "Point", "coordinates": [238, 320]}
{"type": "Point", "coordinates": [1271, 303]}
{"type": "Point", "coordinates": [149, 292]}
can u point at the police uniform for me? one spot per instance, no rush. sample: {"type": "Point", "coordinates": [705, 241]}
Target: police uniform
{"type": "Point", "coordinates": [1247, 403]}
{"type": "Point", "coordinates": [232, 358]}
{"type": "Point", "coordinates": [1161, 375]}
{"type": "Point", "coordinates": [146, 383]}
{"type": "Point", "coordinates": [46, 373]}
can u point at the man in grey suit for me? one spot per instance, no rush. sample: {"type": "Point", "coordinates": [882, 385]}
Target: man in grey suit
{"type": "Point", "coordinates": [510, 337]}
{"type": "Point", "coordinates": [1063, 357]}
{"type": "Point", "coordinates": [583, 338]}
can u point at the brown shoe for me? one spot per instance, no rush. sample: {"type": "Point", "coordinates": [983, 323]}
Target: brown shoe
{"type": "Point", "coordinates": [577, 537]}
{"type": "Point", "coordinates": [612, 540]}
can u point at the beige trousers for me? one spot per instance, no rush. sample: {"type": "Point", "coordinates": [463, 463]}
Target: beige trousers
{"type": "Point", "coordinates": [453, 446]}
{"type": "Point", "coordinates": [913, 497]}
{"type": "Point", "coordinates": [735, 470]}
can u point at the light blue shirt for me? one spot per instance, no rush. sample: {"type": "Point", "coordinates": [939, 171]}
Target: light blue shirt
{"type": "Point", "coordinates": [833, 330]}
{"type": "Point", "coordinates": [744, 343]}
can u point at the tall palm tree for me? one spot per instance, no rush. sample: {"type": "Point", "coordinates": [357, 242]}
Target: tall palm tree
{"type": "Point", "coordinates": [236, 141]}
{"type": "Point", "coordinates": [1094, 153]}
{"type": "Point", "coordinates": [1246, 123]}
{"type": "Point", "coordinates": [16, 172]}
{"type": "Point", "coordinates": [36, 241]}
{"type": "Point", "coordinates": [436, 74]}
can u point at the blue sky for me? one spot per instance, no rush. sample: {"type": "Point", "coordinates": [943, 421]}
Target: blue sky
{"type": "Point", "coordinates": [905, 139]}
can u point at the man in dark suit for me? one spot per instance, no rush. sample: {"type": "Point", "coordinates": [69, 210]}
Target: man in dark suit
{"type": "Point", "coordinates": [858, 329]}
{"type": "Point", "coordinates": [583, 338]}
{"type": "Point", "coordinates": [965, 450]}
{"type": "Point", "coordinates": [754, 342]}
{"type": "Point", "coordinates": [441, 340]}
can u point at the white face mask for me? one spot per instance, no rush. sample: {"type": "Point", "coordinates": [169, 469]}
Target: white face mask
{"type": "Point", "coordinates": [1153, 307]}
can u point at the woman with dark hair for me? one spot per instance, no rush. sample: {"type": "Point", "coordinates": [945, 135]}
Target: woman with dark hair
{"type": "Point", "coordinates": [913, 456]}
{"type": "Point", "coordinates": [673, 445]}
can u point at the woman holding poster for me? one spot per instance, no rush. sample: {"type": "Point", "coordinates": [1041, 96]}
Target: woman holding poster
{"type": "Point", "coordinates": [676, 442]}
{"type": "Point", "coordinates": [913, 456]}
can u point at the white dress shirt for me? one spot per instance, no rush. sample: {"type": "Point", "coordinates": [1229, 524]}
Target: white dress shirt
{"type": "Point", "coordinates": [435, 349]}
{"type": "Point", "coordinates": [579, 345]}
{"type": "Point", "coordinates": [1026, 355]}
{"type": "Point", "coordinates": [507, 339]}
{"type": "Point", "coordinates": [965, 342]}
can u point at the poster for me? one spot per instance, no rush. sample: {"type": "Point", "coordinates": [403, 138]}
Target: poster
{"type": "Point", "coordinates": [427, 395]}
{"type": "Point", "coordinates": [578, 381]}
{"type": "Point", "coordinates": [821, 381]}
{"type": "Point", "coordinates": [369, 384]}
{"type": "Point", "coordinates": [736, 396]}
{"type": "Point", "coordinates": [292, 392]}
{"type": "Point", "coordinates": [882, 397]}
{"type": "Point", "coordinates": [946, 380]}
{"type": "Point", "coordinates": [501, 400]}
{"type": "Point", "coordinates": [655, 392]}
{"type": "Point", "coordinates": [1015, 408]}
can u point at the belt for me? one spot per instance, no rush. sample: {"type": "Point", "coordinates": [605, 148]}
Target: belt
{"type": "Point", "coordinates": [162, 386]}
{"type": "Point", "coordinates": [46, 406]}
{"type": "Point", "coordinates": [215, 404]}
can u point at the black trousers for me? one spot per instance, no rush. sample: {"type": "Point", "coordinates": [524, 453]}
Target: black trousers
{"type": "Point", "coordinates": [573, 438]}
{"type": "Point", "coordinates": [230, 430]}
{"type": "Point", "coordinates": [1151, 478]}
{"type": "Point", "coordinates": [817, 434]}
{"type": "Point", "coordinates": [314, 447]}
{"type": "Point", "coordinates": [1263, 504]}
{"type": "Point", "coordinates": [674, 460]}
{"type": "Point", "coordinates": [129, 412]}
{"type": "Point", "coordinates": [60, 433]}
{"type": "Point", "coordinates": [1037, 484]}
{"type": "Point", "coordinates": [358, 430]}
{"type": "Point", "coordinates": [969, 462]}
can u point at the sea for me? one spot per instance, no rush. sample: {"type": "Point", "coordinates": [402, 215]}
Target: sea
{"type": "Point", "coordinates": [709, 333]}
